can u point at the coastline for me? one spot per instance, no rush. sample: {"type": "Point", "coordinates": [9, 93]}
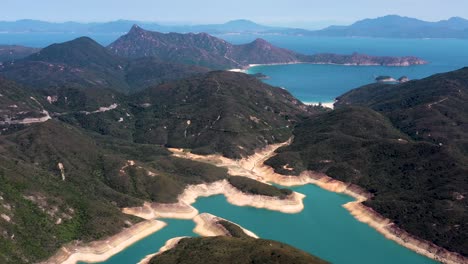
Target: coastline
{"type": "Point", "coordinates": [104, 249]}
{"type": "Point", "coordinates": [183, 209]}
{"type": "Point", "coordinates": [246, 68]}
{"type": "Point", "coordinates": [254, 167]}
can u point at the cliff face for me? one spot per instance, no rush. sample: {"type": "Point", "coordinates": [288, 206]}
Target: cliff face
{"type": "Point", "coordinates": [205, 50]}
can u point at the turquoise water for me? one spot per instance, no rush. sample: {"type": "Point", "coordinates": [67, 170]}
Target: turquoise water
{"type": "Point", "coordinates": [153, 243]}
{"type": "Point", "coordinates": [324, 228]}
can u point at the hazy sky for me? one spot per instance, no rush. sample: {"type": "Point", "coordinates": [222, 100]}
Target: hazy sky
{"type": "Point", "coordinates": [284, 12]}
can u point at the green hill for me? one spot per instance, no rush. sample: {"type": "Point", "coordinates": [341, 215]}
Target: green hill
{"type": "Point", "coordinates": [405, 144]}
{"type": "Point", "coordinates": [213, 250]}
{"type": "Point", "coordinates": [432, 110]}
{"type": "Point", "coordinates": [86, 64]}
{"type": "Point", "coordinates": [220, 112]}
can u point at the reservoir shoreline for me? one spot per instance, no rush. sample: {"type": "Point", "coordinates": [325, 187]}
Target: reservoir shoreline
{"type": "Point", "coordinates": [254, 167]}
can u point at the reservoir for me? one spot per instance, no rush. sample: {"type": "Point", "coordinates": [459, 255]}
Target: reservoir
{"type": "Point", "coordinates": [324, 228]}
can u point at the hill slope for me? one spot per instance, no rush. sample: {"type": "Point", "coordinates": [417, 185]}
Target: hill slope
{"type": "Point", "coordinates": [83, 62]}
{"type": "Point", "coordinates": [406, 146]}
{"type": "Point", "coordinates": [224, 112]}
{"type": "Point", "coordinates": [14, 52]}
{"type": "Point", "coordinates": [433, 109]}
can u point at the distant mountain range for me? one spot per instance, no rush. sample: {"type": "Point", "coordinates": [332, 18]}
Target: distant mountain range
{"type": "Point", "coordinates": [391, 26]}
{"type": "Point", "coordinates": [209, 51]}
{"type": "Point", "coordinates": [399, 27]}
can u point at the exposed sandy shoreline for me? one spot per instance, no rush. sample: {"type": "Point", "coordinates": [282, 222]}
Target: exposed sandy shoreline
{"type": "Point", "coordinates": [254, 167]}
{"type": "Point", "coordinates": [183, 209]}
{"type": "Point", "coordinates": [102, 250]}
{"type": "Point", "coordinates": [170, 244]}
{"type": "Point", "coordinates": [251, 167]}
{"type": "Point", "coordinates": [207, 225]}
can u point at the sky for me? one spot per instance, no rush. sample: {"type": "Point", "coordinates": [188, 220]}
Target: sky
{"type": "Point", "coordinates": [301, 13]}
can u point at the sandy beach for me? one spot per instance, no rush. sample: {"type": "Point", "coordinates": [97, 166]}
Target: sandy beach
{"type": "Point", "coordinates": [102, 250]}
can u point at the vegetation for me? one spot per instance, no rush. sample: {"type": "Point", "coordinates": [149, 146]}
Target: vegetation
{"type": "Point", "coordinates": [432, 110]}
{"type": "Point", "coordinates": [86, 64]}
{"type": "Point", "coordinates": [247, 185]}
{"type": "Point", "coordinates": [212, 250]}
{"type": "Point", "coordinates": [14, 52]}
{"type": "Point", "coordinates": [220, 112]}
{"type": "Point", "coordinates": [419, 185]}
{"type": "Point", "coordinates": [233, 229]}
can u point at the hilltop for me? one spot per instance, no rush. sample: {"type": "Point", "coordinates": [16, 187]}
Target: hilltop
{"type": "Point", "coordinates": [85, 63]}
{"type": "Point", "coordinates": [212, 250]}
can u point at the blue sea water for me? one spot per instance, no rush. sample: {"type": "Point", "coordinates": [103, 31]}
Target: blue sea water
{"type": "Point", "coordinates": [314, 83]}
{"type": "Point", "coordinates": [323, 83]}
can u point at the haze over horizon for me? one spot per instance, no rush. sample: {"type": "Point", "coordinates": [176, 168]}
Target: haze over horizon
{"type": "Point", "coordinates": [296, 13]}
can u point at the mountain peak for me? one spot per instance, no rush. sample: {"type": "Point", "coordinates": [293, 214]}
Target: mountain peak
{"type": "Point", "coordinates": [135, 29]}
{"type": "Point", "coordinates": [260, 42]}
{"type": "Point", "coordinates": [78, 52]}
